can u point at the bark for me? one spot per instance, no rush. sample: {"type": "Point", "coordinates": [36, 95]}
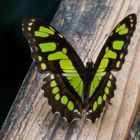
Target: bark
{"type": "Point", "coordinates": [85, 24]}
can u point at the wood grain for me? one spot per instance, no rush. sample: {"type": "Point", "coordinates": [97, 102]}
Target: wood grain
{"type": "Point", "coordinates": [30, 117]}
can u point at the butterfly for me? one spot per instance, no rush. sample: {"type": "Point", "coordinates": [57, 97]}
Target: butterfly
{"type": "Point", "coordinates": [72, 88]}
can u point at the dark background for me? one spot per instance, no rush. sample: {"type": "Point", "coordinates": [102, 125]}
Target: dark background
{"type": "Point", "coordinates": [15, 57]}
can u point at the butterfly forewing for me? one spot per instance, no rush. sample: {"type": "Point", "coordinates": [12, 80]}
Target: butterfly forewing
{"type": "Point", "coordinates": [60, 98]}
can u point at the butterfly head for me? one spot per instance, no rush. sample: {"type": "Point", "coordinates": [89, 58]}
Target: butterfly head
{"type": "Point", "coordinates": [89, 69]}
{"type": "Point", "coordinates": [89, 65]}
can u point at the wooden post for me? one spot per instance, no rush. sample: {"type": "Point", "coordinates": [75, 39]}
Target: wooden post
{"type": "Point", "coordinates": [30, 117]}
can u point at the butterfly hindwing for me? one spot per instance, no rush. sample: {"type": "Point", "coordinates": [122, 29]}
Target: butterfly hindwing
{"type": "Point", "coordinates": [49, 47]}
{"type": "Point", "coordinates": [102, 94]}
{"type": "Point", "coordinates": [53, 53]}
{"type": "Point", "coordinates": [110, 58]}
{"type": "Point", "coordinates": [60, 98]}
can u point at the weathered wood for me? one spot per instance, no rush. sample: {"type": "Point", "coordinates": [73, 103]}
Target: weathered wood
{"type": "Point", "coordinates": [30, 117]}
{"type": "Point", "coordinates": [135, 130]}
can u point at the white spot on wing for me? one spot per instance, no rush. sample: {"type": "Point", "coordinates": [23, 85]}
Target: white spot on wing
{"type": "Point", "coordinates": [60, 35]}
{"type": "Point", "coordinates": [52, 76]}
{"type": "Point", "coordinates": [65, 118]}
{"type": "Point", "coordinates": [33, 20]}
{"type": "Point", "coordinates": [75, 119]}
{"type": "Point", "coordinates": [131, 25]}
{"type": "Point", "coordinates": [31, 50]}
{"type": "Point", "coordinates": [51, 28]}
{"type": "Point", "coordinates": [29, 28]}
{"type": "Point", "coordinates": [57, 113]}
{"type": "Point", "coordinates": [30, 24]}
{"type": "Point", "coordinates": [88, 119]}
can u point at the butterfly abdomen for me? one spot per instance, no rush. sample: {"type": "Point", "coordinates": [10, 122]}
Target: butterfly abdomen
{"type": "Point", "coordinates": [87, 82]}
{"type": "Point", "coordinates": [86, 92]}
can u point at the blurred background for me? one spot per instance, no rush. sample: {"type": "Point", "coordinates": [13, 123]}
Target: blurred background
{"type": "Point", "coordinates": [15, 57]}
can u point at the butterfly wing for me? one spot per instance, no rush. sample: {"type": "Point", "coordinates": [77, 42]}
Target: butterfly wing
{"type": "Point", "coordinates": [52, 53]}
{"type": "Point", "coordinates": [110, 58]}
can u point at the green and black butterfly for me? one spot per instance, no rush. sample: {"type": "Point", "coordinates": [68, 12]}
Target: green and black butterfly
{"type": "Point", "coordinates": [71, 87]}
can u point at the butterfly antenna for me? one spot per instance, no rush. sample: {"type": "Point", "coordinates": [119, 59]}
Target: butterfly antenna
{"type": "Point", "coordinates": [83, 44]}
{"type": "Point", "coordinates": [97, 47]}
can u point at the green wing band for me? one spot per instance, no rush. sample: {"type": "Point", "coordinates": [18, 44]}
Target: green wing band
{"type": "Point", "coordinates": [47, 47]}
{"type": "Point", "coordinates": [122, 29]}
{"type": "Point", "coordinates": [96, 82]}
{"type": "Point", "coordinates": [68, 69]}
{"type": "Point", "coordinates": [44, 32]}
{"type": "Point", "coordinates": [101, 95]}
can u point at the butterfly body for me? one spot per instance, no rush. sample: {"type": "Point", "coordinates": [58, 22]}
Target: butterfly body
{"type": "Point", "coordinates": [87, 82]}
{"type": "Point", "coordinates": [70, 87]}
